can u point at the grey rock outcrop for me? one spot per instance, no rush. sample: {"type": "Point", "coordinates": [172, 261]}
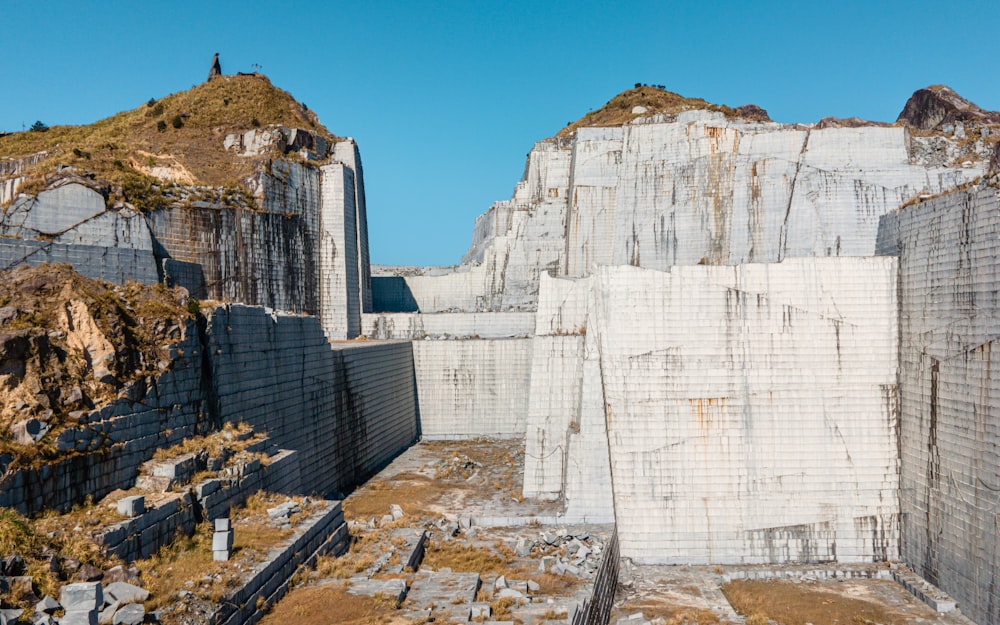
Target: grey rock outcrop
{"type": "Point", "coordinates": [936, 106]}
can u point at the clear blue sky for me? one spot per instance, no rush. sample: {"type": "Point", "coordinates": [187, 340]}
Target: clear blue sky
{"type": "Point", "coordinates": [446, 98]}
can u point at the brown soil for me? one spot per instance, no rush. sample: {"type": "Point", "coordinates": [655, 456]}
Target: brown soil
{"type": "Point", "coordinates": [330, 603]}
{"type": "Point", "coordinates": [789, 603]}
{"type": "Point", "coordinates": [467, 469]}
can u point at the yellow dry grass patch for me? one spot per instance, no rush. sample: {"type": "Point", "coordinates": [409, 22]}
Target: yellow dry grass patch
{"type": "Point", "coordinates": [463, 558]}
{"type": "Point", "coordinates": [330, 603]}
{"type": "Point", "coordinates": [788, 603]}
{"type": "Point", "coordinates": [189, 558]}
{"type": "Point", "coordinates": [671, 613]}
{"type": "Point", "coordinates": [413, 492]}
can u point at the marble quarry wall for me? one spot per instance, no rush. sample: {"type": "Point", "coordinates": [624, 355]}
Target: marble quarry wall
{"type": "Point", "coordinates": [472, 388]}
{"type": "Point", "coordinates": [949, 268]}
{"type": "Point", "coordinates": [346, 409]}
{"type": "Point", "coordinates": [752, 410]}
{"type": "Point", "coordinates": [303, 249]}
{"type": "Point", "coordinates": [740, 414]}
{"type": "Point", "coordinates": [695, 188]}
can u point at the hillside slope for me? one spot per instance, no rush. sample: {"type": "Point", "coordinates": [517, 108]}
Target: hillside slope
{"type": "Point", "coordinates": [180, 137]}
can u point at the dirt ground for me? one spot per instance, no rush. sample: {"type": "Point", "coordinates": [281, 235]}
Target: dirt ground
{"type": "Point", "coordinates": [445, 489]}
{"type": "Point", "coordinates": [703, 596]}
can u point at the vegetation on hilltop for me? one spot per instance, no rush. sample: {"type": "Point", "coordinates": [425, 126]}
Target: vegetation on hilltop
{"type": "Point", "coordinates": [184, 131]}
{"type": "Point", "coordinates": [655, 99]}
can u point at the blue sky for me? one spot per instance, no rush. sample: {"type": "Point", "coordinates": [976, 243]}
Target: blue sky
{"type": "Point", "coordinates": [446, 98]}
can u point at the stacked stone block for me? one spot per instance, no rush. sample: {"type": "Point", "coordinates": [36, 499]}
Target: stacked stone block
{"type": "Point", "coordinates": [82, 603]}
{"type": "Point", "coordinates": [949, 268]}
{"type": "Point", "coordinates": [345, 408]}
{"type": "Point", "coordinates": [145, 532]}
{"type": "Point", "coordinates": [222, 540]}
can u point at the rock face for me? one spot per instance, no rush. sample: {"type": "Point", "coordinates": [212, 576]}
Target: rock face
{"type": "Point", "coordinates": [304, 250]}
{"type": "Point", "coordinates": [948, 273]}
{"type": "Point", "coordinates": [692, 188]}
{"type": "Point", "coordinates": [936, 106]}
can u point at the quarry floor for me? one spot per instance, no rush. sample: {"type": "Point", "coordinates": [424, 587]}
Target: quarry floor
{"type": "Point", "coordinates": [442, 495]}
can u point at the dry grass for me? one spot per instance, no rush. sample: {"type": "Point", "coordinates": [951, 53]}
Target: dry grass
{"type": "Point", "coordinates": [788, 603]}
{"type": "Point", "coordinates": [671, 613]}
{"type": "Point", "coordinates": [498, 464]}
{"type": "Point", "coordinates": [501, 608]}
{"type": "Point", "coordinates": [138, 321]}
{"type": "Point", "coordinates": [189, 558]}
{"type": "Point", "coordinates": [65, 535]}
{"type": "Point", "coordinates": [329, 603]}
{"type": "Point", "coordinates": [618, 110]}
{"type": "Point", "coordinates": [364, 550]}
{"type": "Point", "coordinates": [463, 558]}
{"type": "Point", "coordinates": [411, 491]}
{"type": "Point", "coordinates": [186, 558]}
{"type": "Point", "coordinates": [118, 148]}
{"type": "Point", "coordinates": [231, 438]}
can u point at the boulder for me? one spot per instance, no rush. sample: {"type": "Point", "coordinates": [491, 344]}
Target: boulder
{"type": "Point", "coordinates": [125, 593]}
{"type": "Point", "coordinates": [132, 614]}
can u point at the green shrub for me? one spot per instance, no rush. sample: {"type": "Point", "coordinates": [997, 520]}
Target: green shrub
{"type": "Point", "coordinates": [176, 121]}
{"type": "Point", "coordinates": [38, 126]}
{"type": "Point", "coordinates": [161, 125]}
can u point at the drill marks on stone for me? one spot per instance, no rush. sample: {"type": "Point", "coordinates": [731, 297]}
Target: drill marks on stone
{"type": "Point", "coordinates": [948, 390]}
{"type": "Point", "coordinates": [676, 378]}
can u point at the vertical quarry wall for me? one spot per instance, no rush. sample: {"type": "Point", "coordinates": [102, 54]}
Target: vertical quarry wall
{"type": "Point", "coordinates": [949, 268]}
{"type": "Point", "coordinates": [695, 188]}
{"type": "Point", "coordinates": [303, 249]}
{"type": "Point", "coordinates": [474, 387]}
{"type": "Point", "coordinates": [345, 409]}
{"type": "Point", "coordinates": [748, 413]}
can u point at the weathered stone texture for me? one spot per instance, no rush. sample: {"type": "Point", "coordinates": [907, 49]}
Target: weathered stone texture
{"type": "Point", "coordinates": [698, 188]}
{"type": "Point", "coordinates": [949, 268]}
{"type": "Point", "coordinates": [751, 410]}
{"type": "Point", "coordinates": [472, 388]}
{"type": "Point", "coordinates": [345, 409]}
{"type": "Point", "coordinates": [304, 251]}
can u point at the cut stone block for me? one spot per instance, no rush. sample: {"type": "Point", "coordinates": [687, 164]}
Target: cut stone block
{"type": "Point", "coordinates": [222, 541]}
{"type": "Point", "coordinates": [132, 506]}
{"type": "Point", "coordinates": [81, 596]}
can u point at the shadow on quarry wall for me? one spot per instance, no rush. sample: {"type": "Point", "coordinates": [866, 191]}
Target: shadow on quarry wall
{"type": "Point", "coordinates": [392, 294]}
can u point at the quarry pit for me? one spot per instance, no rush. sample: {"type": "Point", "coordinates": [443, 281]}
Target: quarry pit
{"type": "Point", "coordinates": [702, 367]}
